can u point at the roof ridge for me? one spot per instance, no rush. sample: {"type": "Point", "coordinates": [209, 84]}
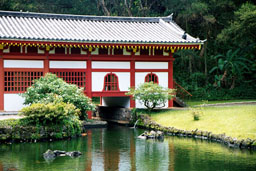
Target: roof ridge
{"type": "Point", "coordinates": [84, 17]}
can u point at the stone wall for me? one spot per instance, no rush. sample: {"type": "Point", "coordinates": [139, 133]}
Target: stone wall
{"type": "Point", "coordinates": [114, 114]}
{"type": "Point", "coordinates": [146, 122]}
{"type": "Point", "coordinates": [32, 133]}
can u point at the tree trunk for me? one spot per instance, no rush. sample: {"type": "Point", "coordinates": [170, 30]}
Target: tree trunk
{"type": "Point", "coordinates": [233, 83]}
{"type": "Point", "coordinates": [104, 7]}
{"type": "Point", "coordinates": [190, 64]}
{"type": "Point", "coordinates": [223, 78]}
{"type": "Point", "coordinates": [128, 7]}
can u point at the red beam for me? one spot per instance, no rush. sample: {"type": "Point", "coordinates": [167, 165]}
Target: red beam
{"type": "Point", "coordinates": [109, 94]}
{"type": "Point", "coordinates": [109, 45]}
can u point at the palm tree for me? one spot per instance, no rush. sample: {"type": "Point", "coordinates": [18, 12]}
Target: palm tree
{"type": "Point", "coordinates": [231, 65]}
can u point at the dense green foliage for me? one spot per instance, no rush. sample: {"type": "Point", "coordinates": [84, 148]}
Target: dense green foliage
{"type": "Point", "coordinates": [151, 95]}
{"type": "Point", "coordinates": [228, 25]}
{"type": "Point", "coordinates": [55, 113]}
{"type": "Point", "coordinates": [46, 89]}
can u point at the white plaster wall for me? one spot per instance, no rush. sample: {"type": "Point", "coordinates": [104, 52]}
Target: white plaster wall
{"type": "Point", "coordinates": [151, 65]}
{"type": "Point", "coordinates": [110, 65]}
{"type": "Point", "coordinates": [67, 64]}
{"type": "Point", "coordinates": [98, 80]}
{"type": "Point", "coordinates": [13, 102]}
{"type": "Point", "coordinates": [23, 64]}
{"type": "Point", "coordinates": [140, 78]}
{"type": "Point", "coordinates": [124, 80]}
{"type": "Point", "coordinates": [162, 78]}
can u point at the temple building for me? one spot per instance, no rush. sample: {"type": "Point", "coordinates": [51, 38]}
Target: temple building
{"type": "Point", "coordinates": [104, 55]}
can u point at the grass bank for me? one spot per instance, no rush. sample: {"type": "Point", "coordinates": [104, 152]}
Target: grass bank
{"type": "Point", "coordinates": [234, 121]}
{"type": "Point", "coordinates": [192, 103]}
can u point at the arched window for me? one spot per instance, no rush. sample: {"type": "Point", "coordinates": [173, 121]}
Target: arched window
{"type": "Point", "coordinates": [111, 82]}
{"type": "Point", "coordinates": [151, 77]}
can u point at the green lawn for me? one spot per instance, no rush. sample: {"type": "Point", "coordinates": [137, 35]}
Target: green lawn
{"type": "Point", "coordinates": [192, 103]}
{"type": "Point", "coordinates": [235, 121]}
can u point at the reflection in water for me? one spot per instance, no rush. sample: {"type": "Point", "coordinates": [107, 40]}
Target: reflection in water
{"type": "Point", "coordinates": [117, 148]}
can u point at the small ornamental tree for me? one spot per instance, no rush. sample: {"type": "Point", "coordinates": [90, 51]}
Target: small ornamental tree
{"type": "Point", "coordinates": [151, 94]}
{"type": "Point", "coordinates": [45, 89]}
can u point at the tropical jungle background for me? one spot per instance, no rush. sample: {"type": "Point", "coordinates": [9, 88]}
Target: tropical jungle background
{"type": "Point", "coordinates": [225, 68]}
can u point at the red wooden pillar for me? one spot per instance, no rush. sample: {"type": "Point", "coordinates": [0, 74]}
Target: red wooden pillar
{"type": "Point", "coordinates": [89, 81]}
{"type": "Point", "coordinates": [170, 77]}
{"type": "Point", "coordinates": [46, 61]}
{"type": "Point", "coordinates": [1, 79]}
{"type": "Point", "coordinates": [132, 81]}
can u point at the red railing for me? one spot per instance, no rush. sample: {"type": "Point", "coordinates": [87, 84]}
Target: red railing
{"type": "Point", "coordinates": [181, 92]}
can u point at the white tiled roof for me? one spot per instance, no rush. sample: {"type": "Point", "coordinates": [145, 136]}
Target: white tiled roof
{"type": "Point", "coordinates": [77, 28]}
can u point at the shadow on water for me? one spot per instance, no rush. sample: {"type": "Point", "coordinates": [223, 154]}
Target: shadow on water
{"type": "Point", "coordinates": [117, 148]}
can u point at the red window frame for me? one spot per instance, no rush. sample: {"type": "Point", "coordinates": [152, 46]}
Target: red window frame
{"type": "Point", "coordinates": [18, 80]}
{"type": "Point", "coordinates": [151, 77]}
{"type": "Point", "coordinates": [111, 82]}
{"type": "Point", "coordinates": [72, 76]}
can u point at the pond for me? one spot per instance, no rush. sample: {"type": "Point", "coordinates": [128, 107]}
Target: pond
{"type": "Point", "coordinates": [117, 148]}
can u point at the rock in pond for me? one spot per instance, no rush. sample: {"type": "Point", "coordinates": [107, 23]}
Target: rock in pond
{"type": "Point", "coordinates": [50, 155]}
{"type": "Point", "coordinates": [152, 135]}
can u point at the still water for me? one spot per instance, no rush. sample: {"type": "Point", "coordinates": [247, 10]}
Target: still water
{"type": "Point", "coordinates": [117, 148]}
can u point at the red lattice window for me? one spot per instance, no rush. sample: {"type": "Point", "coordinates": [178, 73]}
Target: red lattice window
{"type": "Point", "coordinates": [151, 78]}
{"type": "Point", "coordinates": [72, 77]}
{"type": "Point", "coordinates": [19, 81]}
{"type": "Point", "coordinates": [111, 82]}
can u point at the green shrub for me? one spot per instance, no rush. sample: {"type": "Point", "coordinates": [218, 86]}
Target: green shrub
{"type": "Point", "coordinates": [9, 122]}
{"type": "Point", "coordinates": [55, 113]}
{"type": "Point", "coordinates": [45, 89]}
{"type": "Point", "coordinates": [197, 113]}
